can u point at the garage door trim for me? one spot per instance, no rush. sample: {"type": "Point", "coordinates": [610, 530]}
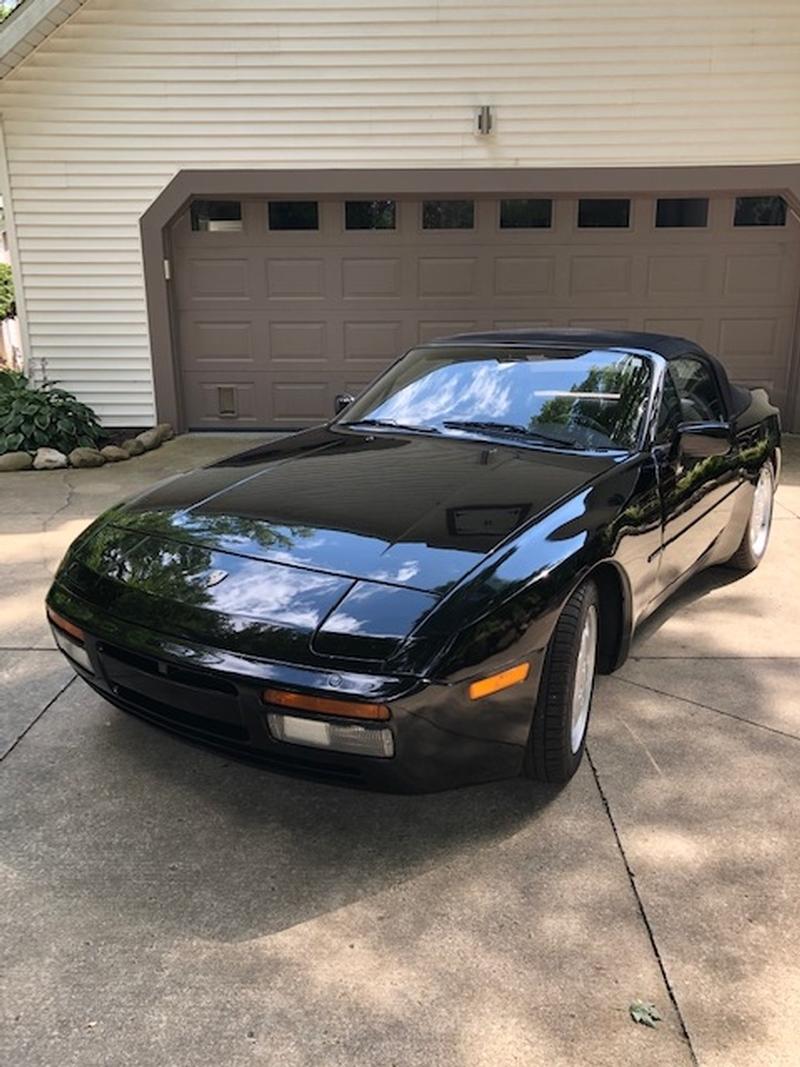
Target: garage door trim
{"type": "Point", "coordinates": [782, 180]}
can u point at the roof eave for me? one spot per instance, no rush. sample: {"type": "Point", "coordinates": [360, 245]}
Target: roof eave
{"type": "Point", "coordinates": [30, 24]}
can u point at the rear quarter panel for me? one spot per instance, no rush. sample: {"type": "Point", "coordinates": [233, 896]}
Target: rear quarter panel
{"type": "Point", "coordinates": [757, 432]}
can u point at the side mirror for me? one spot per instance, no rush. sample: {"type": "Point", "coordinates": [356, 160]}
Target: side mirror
{"type": "Point", "coordinates": [342, 401]}
{"type": "Point", "coordinates": [700, 440]}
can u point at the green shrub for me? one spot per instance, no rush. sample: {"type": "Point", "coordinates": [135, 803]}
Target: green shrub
{"type": "Point", "coordinates": [7, 306]}
{"type": "Point", "coordinates": [31, 418]}
{"type": "Point", "coordinates": [9, 379]}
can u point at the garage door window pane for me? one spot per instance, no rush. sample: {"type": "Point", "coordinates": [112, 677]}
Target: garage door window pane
{"type": "Point", "coordinates": [760, 211]}
{"type": "Point", "coordinates": [448, 214]}
{"type": "Point", "coordinates": [369, 214]}
{"type": "Point", "coordinates": [604, 214]}
{"type": "Point", "coordinates": [294, 215]}
{"type": "Point", "coordinates": [216, 215]}
{"type": "Point", "coordinates": [682, 211]}
{"type": "Point", "coordinates": [525, 214]}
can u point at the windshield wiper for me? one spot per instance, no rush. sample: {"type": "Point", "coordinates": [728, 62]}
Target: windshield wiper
{"type": "Point", "coordinates": [391, 424]}
{"type": "Point", "coordinates": [508, 429]}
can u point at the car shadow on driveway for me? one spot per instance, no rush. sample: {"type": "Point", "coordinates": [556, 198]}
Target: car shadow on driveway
{"type": "Point", "coordinates": [689, 594]}
{"type": "Point", "coordinates": [221, 849]}
{"type": "Point", "coordinates": [185, 900]}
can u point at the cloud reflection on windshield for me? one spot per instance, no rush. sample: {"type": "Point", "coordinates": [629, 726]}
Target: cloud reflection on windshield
{"type": "Point", "coordinates": [464, 393]}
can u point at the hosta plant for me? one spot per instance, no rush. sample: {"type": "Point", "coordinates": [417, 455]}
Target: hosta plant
{"type": "Point", "coordinates": [31, 417]}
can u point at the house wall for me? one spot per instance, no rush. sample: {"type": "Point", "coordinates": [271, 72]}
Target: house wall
{"type": "Point", "coordinates": [125, 94]}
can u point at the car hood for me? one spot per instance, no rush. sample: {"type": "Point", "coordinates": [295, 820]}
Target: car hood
{"type": "Point", "coordinates": [411, 511]}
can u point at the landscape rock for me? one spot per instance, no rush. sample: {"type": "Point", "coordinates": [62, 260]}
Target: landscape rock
{"type": "Point", "coordinates": [49, 459]}
{"type": "Point", "coordinates": [156, 436]}
{"type": "Point", "coordinates": [132, 446]}
{"type": "Point", "coordinates": [149, 439]}
{"type": "Point", "coordinates": [114, 454]}
{"type": "Point", "coordinates": [86, 457]}
{"type": "Point", "coordinates": [16, 461]}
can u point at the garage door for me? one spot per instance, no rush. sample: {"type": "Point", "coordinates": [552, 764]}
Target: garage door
{"type": "Point", "coordinates": [280, 305]}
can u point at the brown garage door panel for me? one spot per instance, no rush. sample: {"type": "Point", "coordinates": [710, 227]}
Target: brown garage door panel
{"type": "Point", "coordinates": [216, 281]}
{"type": "Point", "coordinates": [272, 324]}
{"type": "Point", "coordinates": [683, 277]}
{"type": "Point", "coordinates": [300, 279]}
{"type": "Point", "coordinates": [524, 276]}
{"type": "Point", "coordinates": [219, 342]}
{"type": "Point", "coordinates": [238, 400]}
{"type": "Point", "coordinates": [214, 400]}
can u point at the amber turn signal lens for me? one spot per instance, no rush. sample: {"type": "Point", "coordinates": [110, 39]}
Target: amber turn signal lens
{"type": "Point", "coordinates": [65, 625]}
{"type": "Point", "coordinates": [349, 709]}
{"type": "Point", "coordinates": [495, 682]}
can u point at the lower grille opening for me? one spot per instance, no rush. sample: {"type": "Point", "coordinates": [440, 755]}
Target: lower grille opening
{"type": "Point", "coordinates": [164, 669]}
{"type": "Point", "coordinates": [182, 719]}
{"type": "Point", "coordinates": [200, 680]}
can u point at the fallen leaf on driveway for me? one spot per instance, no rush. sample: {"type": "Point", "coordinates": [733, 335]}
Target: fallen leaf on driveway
{"type": "Point", "coordinates": [644, 1013]}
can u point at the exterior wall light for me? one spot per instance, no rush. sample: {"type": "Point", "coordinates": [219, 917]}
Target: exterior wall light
{"type": "Point", "coordinates": [484, 120]}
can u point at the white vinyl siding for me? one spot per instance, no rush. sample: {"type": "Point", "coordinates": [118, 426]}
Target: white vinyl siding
{"type": "Point", "coordinates": [103, 113]}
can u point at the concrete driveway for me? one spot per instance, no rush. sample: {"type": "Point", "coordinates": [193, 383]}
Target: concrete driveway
{"type": "Point", "coordinates": [165, 906]}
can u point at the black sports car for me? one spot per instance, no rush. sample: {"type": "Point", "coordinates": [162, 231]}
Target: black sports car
{"type": "Point", "coordinates": [420, 592]}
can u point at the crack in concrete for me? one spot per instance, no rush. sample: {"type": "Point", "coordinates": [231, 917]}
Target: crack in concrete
{"type": "Point", "coordinates": [643, 914]}
{"type": "Point", "coordinates": [709, 707]}
{"type": "Point", "coordinates": [33, 721]}
{"type": "Point", "coordinates": [70, 492]}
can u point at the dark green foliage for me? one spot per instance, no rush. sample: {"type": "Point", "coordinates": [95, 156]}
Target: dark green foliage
{"type": "Point", "coordinates": [7, 306]}
{"type": "Point", "coordinates": [32, 418]}
{"type": "Point", "coordinates": [10, 379]}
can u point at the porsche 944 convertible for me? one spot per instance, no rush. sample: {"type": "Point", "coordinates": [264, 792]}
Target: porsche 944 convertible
{"type": "Point", "coordinates": [420, 593]}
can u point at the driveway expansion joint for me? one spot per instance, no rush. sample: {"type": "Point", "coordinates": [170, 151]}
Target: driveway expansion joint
{"type": "Point", "coordinates": [33, 721]}
{"type": "Point", "coordinates": [643, 914]}
{"type": "Point", "coordinates": [709, 707]}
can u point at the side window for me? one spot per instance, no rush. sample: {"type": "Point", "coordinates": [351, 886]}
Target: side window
{"type": "Point", "coordinates": [669, 414]}
{"type": "Point", "coordinates": [697, 390]}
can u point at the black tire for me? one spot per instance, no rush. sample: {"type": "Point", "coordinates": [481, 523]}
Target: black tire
{"type": "Point", "coordinates": [552, 756]}
{"type": "Point", "coordinates": [752, 549]}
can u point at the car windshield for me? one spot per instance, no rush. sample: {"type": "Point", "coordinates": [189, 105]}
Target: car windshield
{"type": "Point", "coordinates": [580, 398]}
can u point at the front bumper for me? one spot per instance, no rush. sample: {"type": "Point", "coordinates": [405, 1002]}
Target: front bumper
{"type": "Point", "coordinates": [441, 738]}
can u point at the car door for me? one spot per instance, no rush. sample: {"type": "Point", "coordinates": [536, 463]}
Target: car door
{"type": "Point", "coordinates": [696, 490]}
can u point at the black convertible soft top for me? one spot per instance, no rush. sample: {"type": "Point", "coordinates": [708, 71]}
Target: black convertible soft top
{"type": "Point", "coordinates": [736, 397]}
{"type": "Point", "coordinates": [661, 343]}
